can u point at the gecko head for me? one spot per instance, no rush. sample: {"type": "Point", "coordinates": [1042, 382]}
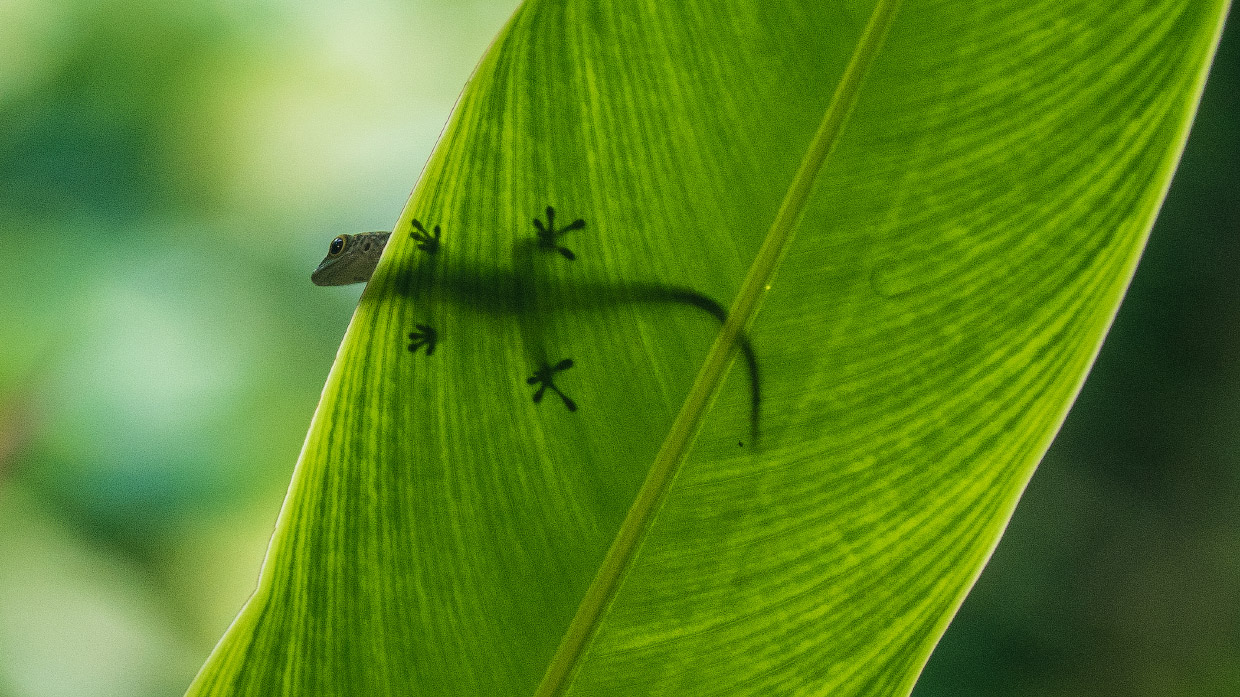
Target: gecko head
{"type": "Point", "coordinates": [350, 259]}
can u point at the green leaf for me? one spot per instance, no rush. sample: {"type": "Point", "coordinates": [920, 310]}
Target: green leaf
{"type": "Point", "coordinates": [923, 217]}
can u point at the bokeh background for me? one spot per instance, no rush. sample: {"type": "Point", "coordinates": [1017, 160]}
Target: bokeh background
{"type": "Point", "coordinates": [171, 171]}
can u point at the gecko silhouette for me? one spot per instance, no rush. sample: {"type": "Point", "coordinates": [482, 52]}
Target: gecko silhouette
{"type": "Point", "coordinates": [521, 292]}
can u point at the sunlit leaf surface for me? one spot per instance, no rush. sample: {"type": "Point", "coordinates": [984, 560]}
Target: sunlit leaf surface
{"type": "Point", "coordinates": [923, 308]}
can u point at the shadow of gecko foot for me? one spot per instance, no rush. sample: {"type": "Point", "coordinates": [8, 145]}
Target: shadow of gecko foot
{"type": "Point", "coordinates": [425, 336]}
{"type": "Point", "coordinates": [427, 242]}
{"type": "Point", "coordinates": [543, 378]}
{"type": "Point", "coordinates": [548, 236]}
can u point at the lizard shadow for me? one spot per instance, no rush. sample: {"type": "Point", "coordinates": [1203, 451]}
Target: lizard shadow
{"type": "Point", "coordinates": [529, 296]}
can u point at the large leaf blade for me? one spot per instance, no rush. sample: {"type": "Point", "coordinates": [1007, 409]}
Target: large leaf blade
{"type": "Point", "coordinates": [1023, 321]}
{"type": "Point", "coordinates": [441, 529]}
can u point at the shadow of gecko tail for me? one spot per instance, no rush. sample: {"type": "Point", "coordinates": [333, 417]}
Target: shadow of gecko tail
{"type": "Point", "coordinates": [686, 296]}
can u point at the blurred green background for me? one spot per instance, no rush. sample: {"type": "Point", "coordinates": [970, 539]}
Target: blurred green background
{"type": "Point", "coordinates": [170, 173]}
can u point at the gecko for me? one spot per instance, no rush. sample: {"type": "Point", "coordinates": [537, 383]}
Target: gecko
{"type": "Point", "coordinates": [353, 258]}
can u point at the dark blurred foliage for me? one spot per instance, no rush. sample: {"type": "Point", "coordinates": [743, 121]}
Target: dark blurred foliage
{"type": "Point", "coordinates": [95, 136]}
{"type": "Point", "coordinates": [1120, 571]}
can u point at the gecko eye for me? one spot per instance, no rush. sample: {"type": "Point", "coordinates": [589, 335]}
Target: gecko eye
{"type": "Point", "coordinates": [337, 245]}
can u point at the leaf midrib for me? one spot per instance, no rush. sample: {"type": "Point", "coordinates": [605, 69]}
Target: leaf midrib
{"type": "Point", "coordinates": [623, 549]}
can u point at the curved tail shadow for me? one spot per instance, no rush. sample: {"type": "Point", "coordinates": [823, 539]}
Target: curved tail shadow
{"type": "Point", "coordinates": [688, 296]}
